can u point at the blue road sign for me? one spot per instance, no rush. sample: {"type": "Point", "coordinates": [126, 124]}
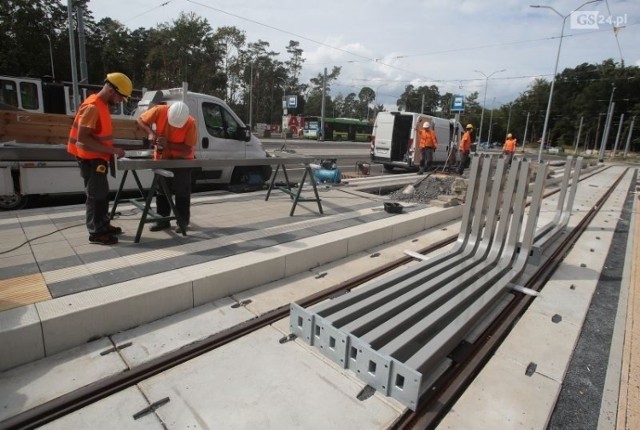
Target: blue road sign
{"type": "Point", "coordinates": [457, 104]}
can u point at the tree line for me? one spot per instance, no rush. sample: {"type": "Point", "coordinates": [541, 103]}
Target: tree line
{"type": "Point", "coordinates": [223, 62]}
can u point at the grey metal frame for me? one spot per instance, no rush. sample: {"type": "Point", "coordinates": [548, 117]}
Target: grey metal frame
{"type": "Point", "coordinates": [395, 333]}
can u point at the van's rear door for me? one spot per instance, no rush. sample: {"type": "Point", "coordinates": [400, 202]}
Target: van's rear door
{"type": "Point", "coordinates": [383, 136]}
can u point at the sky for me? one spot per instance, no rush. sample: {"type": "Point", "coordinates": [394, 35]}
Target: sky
{"type": "Point", "coordinates": [495, 47]}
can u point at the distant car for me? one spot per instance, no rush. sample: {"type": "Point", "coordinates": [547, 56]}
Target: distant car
{"type": "Point", "coordinates": [556, 150]}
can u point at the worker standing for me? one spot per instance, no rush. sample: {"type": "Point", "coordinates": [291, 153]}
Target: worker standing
{"type": "Point", "coordinates": [465, 148]}
{"type": "Point", "coordinates": [509, 148]}
{"type": "Point", "coordinates": [175, 136]}
{"type": "Point", "coordinates": [91, 142]}
{"type": "Point", "coordinates": [427, 143]}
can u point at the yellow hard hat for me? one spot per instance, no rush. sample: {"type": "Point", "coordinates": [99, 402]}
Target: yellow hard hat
{"type": "Point", "coordinates": [509, 136]}
{"type": "Point", "coordinates": [469, 126]}
{"type": "Point", "coordinates": [121, 83]}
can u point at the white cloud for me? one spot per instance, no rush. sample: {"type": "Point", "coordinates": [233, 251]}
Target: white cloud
{"type": "Point", "coordinates": [421, 42]}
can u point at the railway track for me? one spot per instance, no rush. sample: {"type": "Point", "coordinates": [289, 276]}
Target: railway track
{"type": "Point", "coordinates": [431, 409]}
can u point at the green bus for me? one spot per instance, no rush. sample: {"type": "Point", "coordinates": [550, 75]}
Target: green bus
{"type": "Point", "coordinates": [347, 129]}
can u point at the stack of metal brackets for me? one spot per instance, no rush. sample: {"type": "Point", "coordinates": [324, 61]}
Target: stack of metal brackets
{"type": "Point", "coordinates": [395, 333]}
{"type": "Point", "coordinates": [547, 234]}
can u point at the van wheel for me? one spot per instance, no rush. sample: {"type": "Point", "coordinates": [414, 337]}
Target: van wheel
{"type": "Point", "coordinates": [388, 167]}
{"type": "Point", "coordinates": [246, 179]}
{"type": "Point", "coordinates": [13, 202]}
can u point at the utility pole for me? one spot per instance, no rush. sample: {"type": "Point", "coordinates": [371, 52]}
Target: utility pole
{"type": "Point", "coordinates": [72, 51]}
{"type": "Point", "coordinates": [605, 135]}
{"type": "Point", "coordinates": [575, 151]}
{"type": "Point", "coordinates": [251, 96]}
{"type": "Point", "coordinates": [615, 146]}
{"type": "Point", "coordinates": [324, 92]}
{"type": "Point", "coordinates": [626, 148]}
{"type": "Point", "coordinates": [422, 105]}
{"type": "Point", "coordinates": [84, 74]}
{"type": "Point", "coordinates": [526, 128]}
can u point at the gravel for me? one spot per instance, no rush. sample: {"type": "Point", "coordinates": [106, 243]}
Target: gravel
{"type": "Point", "coordinates": [427, 188]}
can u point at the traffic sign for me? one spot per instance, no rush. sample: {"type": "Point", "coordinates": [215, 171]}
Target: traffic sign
{"type": "Point", "coordinates": [457, 103]}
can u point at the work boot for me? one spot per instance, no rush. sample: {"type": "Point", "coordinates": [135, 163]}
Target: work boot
{"type": "Point", "coordinates": [186, 228]}
{"type": "Point", "coordinates": [103, 239]}
{"type": "Point", "coordinates": [421, 171]}
{"type": "Point", "coordinates": [160, 225]}
{"type": "Point", "coordinates": [113, 230]}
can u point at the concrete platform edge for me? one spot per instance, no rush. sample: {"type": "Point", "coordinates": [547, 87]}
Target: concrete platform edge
{"type": "Point", "coordinates": [46, 328]}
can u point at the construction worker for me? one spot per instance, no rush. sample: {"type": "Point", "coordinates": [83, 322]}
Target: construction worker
{"type": "Point", "coordinates": [509, 148]}
{"type": "Point", "coordinates": [427, 144]}
{"type": "Point", "coordinates": [465, 148]}
{"type": "Point", "coordinates": [91, 142]}
{"type": "Point", "coordinates": [175, 136]}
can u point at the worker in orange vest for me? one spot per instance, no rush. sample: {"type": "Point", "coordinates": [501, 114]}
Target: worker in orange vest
{"type": "Point", "coordinates": [175, 135]}
{"type": "Point", "coordinates": [465, 148]}
{"type": "Point", "coordinates": [509, 148]}
{"type": "Point", "coordinates": [427, 144]}
{"type": "Point", "coordinates": [91, 142]}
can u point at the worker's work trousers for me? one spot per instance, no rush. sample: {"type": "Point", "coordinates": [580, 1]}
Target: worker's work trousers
{"type": "Point", "coordinates": [426, 159]}
{"type": "Point", "coordinates": [508, 156]}
{"type": "Point", "coordinates": [96, 186]}
{"type": "Point", "coordinates": [180, 186]}
{"type": "Point", "coordinates": [464, 160]}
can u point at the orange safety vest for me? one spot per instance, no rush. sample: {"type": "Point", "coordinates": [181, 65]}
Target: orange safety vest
{"type": "Point", "coordinates": [103, 131]}
{"type": "Point", "coordinates": [173, 135]}
{"type": "Point", "coordinates": [509, 145]}
{"type": "Point", "coordinates": [465, 142]}
{"type": "Point", "coordinates": [428, 139]}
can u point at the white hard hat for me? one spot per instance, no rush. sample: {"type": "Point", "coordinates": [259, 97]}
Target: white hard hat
{"type": "Point", "coordinates": [426, 125]}
{"type": "Point", "coordinates": [178, 114]}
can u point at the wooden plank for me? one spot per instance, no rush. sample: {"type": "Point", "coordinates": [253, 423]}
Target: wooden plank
{"type": "Point", "coordinates": [27, 127]}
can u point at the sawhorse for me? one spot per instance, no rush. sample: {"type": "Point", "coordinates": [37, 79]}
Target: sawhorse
{"type": "Point", "coordinates": [295, 196]}
{"type": "Point", "coordinates": [148, 215]}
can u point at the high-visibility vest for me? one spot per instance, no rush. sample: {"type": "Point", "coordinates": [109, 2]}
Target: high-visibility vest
{"type": "Point", "coordinates": [428, 139]}
{"type": "Point", "coordinates": [465, 142]}
{"type": "Point", "coordinates": [174, 135]}
{"type": "Point", "coordinates": [509, 145]}
{"type": "Point", "coordinates": [103, 131]}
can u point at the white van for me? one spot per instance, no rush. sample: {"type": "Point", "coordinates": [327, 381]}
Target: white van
{"type": "Point", "coordinates": [221, 135]}
{"type": "Point", "coordinates": [395, 139]}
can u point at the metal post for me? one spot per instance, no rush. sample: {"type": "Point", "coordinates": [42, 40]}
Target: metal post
{"type": "Point", "coordinates": [605, 134]}
{"type": "Point", "coordinates": [324, 92]}
{"type": "Point", "coordinates": [251, 96]}
{"type": "Point", "coordinates": [575, 151]}
{"type": "Point", "coordinates": [484, 101]}
{"type": "Point", "coordinates": [626, 148]}
{"type": "Point", "coordinates": [526, 128]}
{"type": "Point", "coordinates": [72, 49]}
{"type": "Point", "coordinates": [555, 70]}
{"type": "Point", "coordinates": [84, 74]}
{"type": "Point", "coordinates": [615, 146]}
{"type": "Point", "coordinates": [53, 72]}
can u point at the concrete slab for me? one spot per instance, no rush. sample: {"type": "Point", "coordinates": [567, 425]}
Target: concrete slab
{"type": "Point", "coordinates": [496, 399]}
{"type": "Point", "coordinates": [168, 334]}
{"type": "Point", "coordinates": [267, 385]}
{"type": "Point", "coordinates": [25, 387]}
{"type": "Point", "coordinates": [114, 412]}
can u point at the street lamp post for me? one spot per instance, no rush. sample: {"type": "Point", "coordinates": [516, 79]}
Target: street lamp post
{"type": "Point", "coordinates": [53, 73]}
{"type": "Point", "coordinates": [555, 69]}
{"type": "Point", "coordinates": [484, 101]}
